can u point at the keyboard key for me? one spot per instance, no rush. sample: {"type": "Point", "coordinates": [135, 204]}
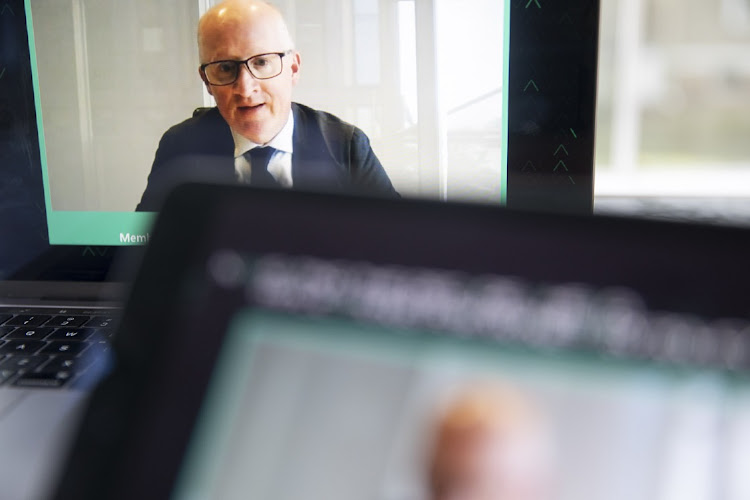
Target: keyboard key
{"type": "Point", "coordinates": [98, 349]}
{"type": "Point", "coordinates": [67, 363]}
{"type": "Point", "coordinates": [4, 318]}
{"type": "Point", "coordinates": [29, 320]}
{"type": "Point", "coordinates": [72, 334]}
{"type": "Point", "coordinates": [37, 333]}
{"type": "Point", "coordinates": [5, 330]}
{"type": "Point", "coordinates": [5, 375]}
{"type": "Point", "coordinates": [52, 380]}
{"type": "Point", "coordinates": [101, 322]}
{"type": "Point", "coordinates": [62, 347]}
{"type": "Point", "coordinates": [103, 335]}
{"type": "Point", "coordinates": [21, 346]}
{"type": "Point", "coordinates": [68, 321]}
{"type": "Point", "coordinates": [22, 363]}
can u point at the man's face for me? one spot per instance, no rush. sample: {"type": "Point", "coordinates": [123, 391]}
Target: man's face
{"type": "Point", "coordinates": [485, 465]}
{"type": "Point", "coordinates": [257, 109]}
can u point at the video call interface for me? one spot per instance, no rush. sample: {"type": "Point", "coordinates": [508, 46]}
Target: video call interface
{"type": "Point", "coordinates": [331, 386]}
{"type": "Point", "coordinates": [110, 78]}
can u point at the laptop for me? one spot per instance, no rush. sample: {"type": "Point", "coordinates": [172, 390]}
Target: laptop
{"type": "Point", "coordinates": [74, 164]}
{"type": "Point", "coordinates": [404, 349]}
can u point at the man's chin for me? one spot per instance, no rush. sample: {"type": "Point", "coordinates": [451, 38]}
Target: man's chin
{"type": "Point", "coordinates": [258, 133]}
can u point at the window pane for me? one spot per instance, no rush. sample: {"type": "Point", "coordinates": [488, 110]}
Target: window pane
{"type": "Point", "coordinates": [113, 77]}
{"type": "Point", "coordinates": [674, 98]}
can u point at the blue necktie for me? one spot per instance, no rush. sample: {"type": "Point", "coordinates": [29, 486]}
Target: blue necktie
{"type": "Point", "coordinates": [258, 158]}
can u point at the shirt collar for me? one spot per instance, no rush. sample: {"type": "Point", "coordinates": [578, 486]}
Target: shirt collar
{"type": "Point", "coordinates": [283, 141]}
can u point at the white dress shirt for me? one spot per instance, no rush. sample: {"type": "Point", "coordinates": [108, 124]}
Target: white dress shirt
{"type": "Point", "coordinates": [280, 164]}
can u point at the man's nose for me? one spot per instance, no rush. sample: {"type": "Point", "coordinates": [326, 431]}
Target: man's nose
{"type": "Point", "coordinates": [246, 84]}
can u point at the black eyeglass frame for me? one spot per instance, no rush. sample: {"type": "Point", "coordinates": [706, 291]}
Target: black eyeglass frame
{"type": "Point", "coordinates": [281, 55]}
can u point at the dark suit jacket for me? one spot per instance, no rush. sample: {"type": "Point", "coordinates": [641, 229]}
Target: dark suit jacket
{"type": "Point", "coordinates": [329, 155]}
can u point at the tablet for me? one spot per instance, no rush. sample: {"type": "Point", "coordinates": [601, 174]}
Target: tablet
{"type": "Point", "coordinates": [347, 351]}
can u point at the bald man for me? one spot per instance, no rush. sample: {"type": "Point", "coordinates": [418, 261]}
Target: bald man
{"type": "Point", "coordinates": [256, 135]}
{"type": "Point", "coordinates": [489, 444]}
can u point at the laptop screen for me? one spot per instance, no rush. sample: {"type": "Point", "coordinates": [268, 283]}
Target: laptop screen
{"type": "Point", "coordinates": [110, 79]}
{"type": "Point", "coordinates": [433, 85]}
{"type": "Point", "coordinates": [350, 380]}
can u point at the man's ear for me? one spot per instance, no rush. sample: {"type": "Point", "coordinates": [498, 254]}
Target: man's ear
{"type": "Point", "coordinates": [295, 66]}
{"type": "Point", "coordinates": [205, 81]}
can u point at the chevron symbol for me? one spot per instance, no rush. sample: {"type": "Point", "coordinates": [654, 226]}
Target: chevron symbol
{"type": "Point", "coordinates": [564, 150]}
{"type": "Point", "coordinates": [6, 9]}
{"type": "Point", "coordinates": [560, 164]}
{"type": "Point", "coordinates": [528, 165]}
{"type": "Point", "coordinates": [95, 252]}
{"type": "Point", "coordinates": [531, 84]}
{"type": "Point", "coordinates": [535, 2]}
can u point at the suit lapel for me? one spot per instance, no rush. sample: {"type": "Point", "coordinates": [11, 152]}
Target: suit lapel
{"type": "Point", "coordinates": [313, 166]}
{"type": "Point", "coordinates": [225, 149]}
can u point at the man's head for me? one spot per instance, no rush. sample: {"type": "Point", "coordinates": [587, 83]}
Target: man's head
{"type": "Point", "coordinates": [236, 30]}
{"type": "Point", "coordinates": [489, 444]}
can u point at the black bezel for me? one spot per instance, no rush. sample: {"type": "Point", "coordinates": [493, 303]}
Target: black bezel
{"type": "Point", "coordinates": [552, 92]}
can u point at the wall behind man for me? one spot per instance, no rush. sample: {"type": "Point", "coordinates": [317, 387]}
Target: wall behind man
{"type": "Point", "coordinates": [360, 61]}
{"type": "Point", "coordinates": [113, 77]}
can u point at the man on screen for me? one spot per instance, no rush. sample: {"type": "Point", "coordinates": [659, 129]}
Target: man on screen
{"type": "Point", "coordinates": [256, 134]}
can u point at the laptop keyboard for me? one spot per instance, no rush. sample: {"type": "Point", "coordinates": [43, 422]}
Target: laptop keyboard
{"type": "Point", "coordinates": [53, 348]}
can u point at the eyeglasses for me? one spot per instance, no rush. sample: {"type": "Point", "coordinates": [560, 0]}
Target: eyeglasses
{"type": "Point", "coordinates": [262, 67]}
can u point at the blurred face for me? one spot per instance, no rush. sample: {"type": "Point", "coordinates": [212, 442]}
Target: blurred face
{"type": "Point", "coordinates": [256, 109]}
{"type": "Point", "coordinates": [479, 464]}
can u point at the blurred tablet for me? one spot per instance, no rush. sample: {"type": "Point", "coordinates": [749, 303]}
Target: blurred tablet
{"type": "Point", "coordinates": [290, 345]}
